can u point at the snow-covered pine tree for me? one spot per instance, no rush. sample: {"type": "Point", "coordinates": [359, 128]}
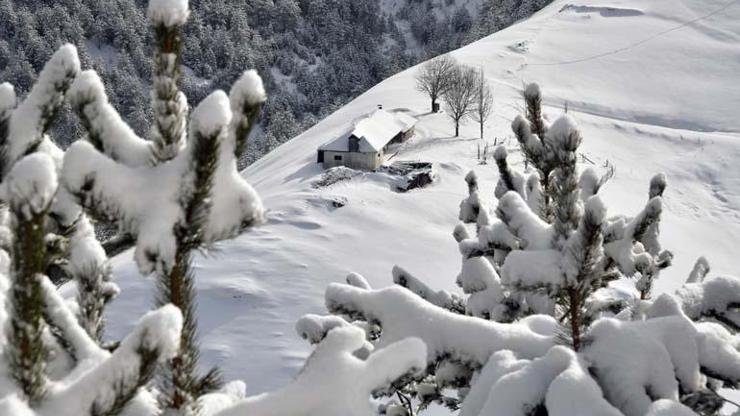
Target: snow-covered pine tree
{"type": "Point", "coordinates": [51, 361]}
{"type": "Point", "coordinates": [184, 194]}
{"type": "Point", "coordinates": [543, 331]}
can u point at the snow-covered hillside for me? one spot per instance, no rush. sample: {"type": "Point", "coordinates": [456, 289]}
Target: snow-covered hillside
{"type": "Point", "coordinates": [649, 82]}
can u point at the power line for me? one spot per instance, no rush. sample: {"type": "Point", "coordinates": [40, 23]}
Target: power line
{"type": "Point", "coordinates": [624, 48]}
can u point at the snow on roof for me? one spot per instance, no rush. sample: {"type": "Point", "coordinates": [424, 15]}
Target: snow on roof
{"type": "Point", "coordinates": [374, 131]}
{"type": "Point", "coordinates": [405, 120]}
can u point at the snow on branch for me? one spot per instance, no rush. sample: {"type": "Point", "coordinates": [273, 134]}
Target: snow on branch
{"type": "Point", "coordinates": [247, 96]}
{"type": "Point", "coordinates": [478, 279]}
{"type": "Point", "coordinates": [719, 352]}
{"type": "Point", "coordinates": [105, 187]}
{"type": "Point", "coordinates": [30, 186]}
{"type": "Point", "coordinates": [334, 382]}
{"type": "Point", "coordinates": [639, 362]}
{"type": "Point", "coordinates": [108, 383]}
{"type": "Point", "coordinates": [105, 128]}
{"type": "Point", "coordinates": [470, 207]}
{"type": "Point", "coordinates": [168, 12]}
{"type": "Point", "coordinates": [88, 265]}
{"type": "Point", "coordinates": [497, 237]}
{"type": "Point", "coordinates": [402, 314]}
{"type": "Point", "coordinates": [441, 298]}
{"type": "Point", "coordinates": [509, 180]}
{"type": "Point", "coordinates": [622, 239]}
{"type": "Point", "coordinates": [700, 271]}
{"type": "Point", "coordinates": [582, 253]}
{"type": "Point", "coordinates": [59, 316]}
{"type": "Point", "coordinates": [533, 270]}
{"type": "Point", "coordinates": [657, 185]}
{"type": "Point", "coordinates": [32, 118]}
{"type": "Point", "coordinates": [559, 380]}
{"type": "Point", "coordinates": [314, 328]}
{"type": "Point", "coordinates": [169, 104]}
{"type": "Point", "coordinates": [357, 280]}
{"type": "Point", "coordinates": [715, 298]}
{"type": "Point", "coordinates": [532, 232]}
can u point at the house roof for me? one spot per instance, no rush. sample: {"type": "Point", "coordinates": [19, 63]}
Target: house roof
{"type": "Point", "coordinates": [374, 131]}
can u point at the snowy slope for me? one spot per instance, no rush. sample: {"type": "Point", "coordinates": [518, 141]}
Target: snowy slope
{"type": "Point", "coordinates": [650, 94]}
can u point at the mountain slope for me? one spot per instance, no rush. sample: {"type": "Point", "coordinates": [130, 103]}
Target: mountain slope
{"type": "Point", "coordinates": [650, 95]}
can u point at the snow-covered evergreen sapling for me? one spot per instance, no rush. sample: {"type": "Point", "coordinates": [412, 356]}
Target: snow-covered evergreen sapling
{"type": "Point", "coordinates": [586, 248]}
{"type": "Point", "coordinates": [50, 358]}
{"type": "Point", "coordinates": [188, 192]}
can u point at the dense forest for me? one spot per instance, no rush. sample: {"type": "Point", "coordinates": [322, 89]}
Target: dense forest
{"type": "Point", "coordinates": [315, 55]}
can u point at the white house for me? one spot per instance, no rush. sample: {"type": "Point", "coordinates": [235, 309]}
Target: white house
{"type": "Point", "coordinates": [364, 146]}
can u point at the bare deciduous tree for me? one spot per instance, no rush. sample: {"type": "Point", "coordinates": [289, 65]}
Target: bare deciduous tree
{"type": "Point", "coordinates": [460, 94]}
{"type": "Point", "coordinates": [434, 76]}
{"type": "Point", "coordinates": [482, 101]}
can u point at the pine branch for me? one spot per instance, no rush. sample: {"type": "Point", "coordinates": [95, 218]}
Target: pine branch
{"type": "Point", "coordinates": [646, 218]}
{"type": "Point", "coordinates": [105, 128]}
{"type": "Point", "coordinates": [88, 265]}
{"type": "Point", "coordinates": [29, 188]}
{"type": "Point", "coordinates": [505, 173]}
{"type": "Point", "coordinates": [115, 380]}
{"type": "Point", "coordinates": [168, 102]}
{"type": "Point", "coordinates": [125, 390]}
{"type": "Point", "coordinates": [31, 120]}
{"type": "Point", "coordinates": [247, 97]}
{"type": "Point", "coordinates": [531, 133]}
{"type": "Point", "coordinates": [441, 298]}
{"type": "Point", "coordinates": [582, 255]}
{"type": "Point", "coordinates": [565, 139]}
{"type": "Point", "coordinates": [533, 101]}
{"type": "Point", "coordinates": [72, 336]}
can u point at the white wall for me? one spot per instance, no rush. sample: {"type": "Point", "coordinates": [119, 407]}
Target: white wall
{"type": "Point", "coordinates": [354, 160]}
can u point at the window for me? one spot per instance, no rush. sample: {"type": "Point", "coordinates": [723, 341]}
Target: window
{"type": "Point", "coordinates": [337, 157]}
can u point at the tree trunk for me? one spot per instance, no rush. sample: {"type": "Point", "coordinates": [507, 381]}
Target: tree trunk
{"type": "Point", "coordinates": [547, 213]}
{"type": "Point", "coordinates": [575, 317]}
{"type": "Point", "coordinates": [481, 130]}
{"type": "Point", "coordinates": [457, 128]}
